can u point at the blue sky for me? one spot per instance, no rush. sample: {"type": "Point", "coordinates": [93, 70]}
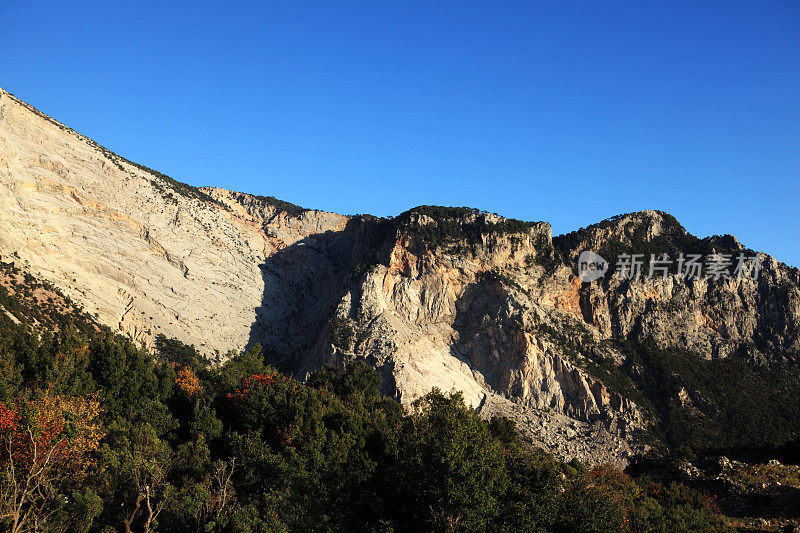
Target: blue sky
{"type": "Point", "coordinates": [568, 112]}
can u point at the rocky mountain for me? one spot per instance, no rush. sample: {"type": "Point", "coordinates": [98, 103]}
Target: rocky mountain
{"type": "Point", "coordinates": [452, 298]}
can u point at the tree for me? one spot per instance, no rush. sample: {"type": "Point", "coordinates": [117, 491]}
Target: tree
{"type": "Point", "coordinates": [48, 446]}
{"type": "Point", "coordinates": [451, 472]}
{"type": "Point", "coordinates": [139, 466]}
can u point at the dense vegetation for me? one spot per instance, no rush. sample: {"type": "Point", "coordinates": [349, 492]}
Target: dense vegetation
{"type": "Point", "coordinates": [718, 405]}
{"type": "Point", "coordinates": [287, 207]}
{"type": "Point", "coordinates": [98, 435]}
{"type": "Point", "coordinates": [462, 225]}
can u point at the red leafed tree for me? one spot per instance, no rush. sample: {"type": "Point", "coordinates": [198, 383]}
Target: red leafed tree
{"type": "Point", "coordinates": [255, 380]}
{"type": "Point", "coordinates": [47, 444]}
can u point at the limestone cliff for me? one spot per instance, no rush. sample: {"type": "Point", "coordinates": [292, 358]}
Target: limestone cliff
{"type": "Point", "coordinates": [147, 254]}
{"type": "Point", "coordinates": [757, 319]}
{"type": "Point", "coordinates": [436, 297]}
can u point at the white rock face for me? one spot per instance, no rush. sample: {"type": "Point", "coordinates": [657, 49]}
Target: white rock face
{"type": "Point", "coordinates": [480, 321]}
{"type": "Point", "coordinates": [122, 242]}
{"type": "Point", "coordinates": [222, 270]}
{"type": "Point", "coordinates": [430, 300]}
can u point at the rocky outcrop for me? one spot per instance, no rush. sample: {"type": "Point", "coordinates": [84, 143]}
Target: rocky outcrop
{"type": "Point", "coordinates": [436, 297]}
{"type": "Point", "coordinates": [485, 317]}
{"type": "Point", "coordinates": [147, 254]}
{"type": "Point", "coordinates": [757, 319]}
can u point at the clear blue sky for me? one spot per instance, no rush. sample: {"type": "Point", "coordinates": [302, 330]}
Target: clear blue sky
{"type": "Point", "coordinates": [568, 112]}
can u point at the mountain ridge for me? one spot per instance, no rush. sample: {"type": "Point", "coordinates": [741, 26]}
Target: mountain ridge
{"type": "Point", "coordinates": [291, 208]}
{"type": "Point", "coordinates": [454, 298]}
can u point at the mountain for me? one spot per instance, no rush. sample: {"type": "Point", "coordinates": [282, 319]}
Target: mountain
{"type": "Point", "coordinates": [452, 298]}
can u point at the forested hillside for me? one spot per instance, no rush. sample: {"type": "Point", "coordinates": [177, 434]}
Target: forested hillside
{"type": "Point", "coordinates": [448, 297]}
{"type": "Point", "coordinates": [175, 358]}
{"type": "Point", "coordinates": [100, 435]}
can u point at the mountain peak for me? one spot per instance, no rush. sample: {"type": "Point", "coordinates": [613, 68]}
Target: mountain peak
{"type": "Point", "coordinates": [451, 297]}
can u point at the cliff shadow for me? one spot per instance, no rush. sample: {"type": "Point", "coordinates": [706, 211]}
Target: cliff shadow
{"type": "Point", "coordinates": [486, 348]}
{"type": "Point", "coordinates": [303, 284]}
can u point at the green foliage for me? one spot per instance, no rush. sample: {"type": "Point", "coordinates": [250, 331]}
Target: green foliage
{"type": "Point", "coordinates": [450, 472]}
{"type": "Point", "coordinates": [341, 331]}
{"type": "Point", "coordinates": [462, 225]}
{"type": "Point", "coordinates": [252, 450]}
{"type": "Point", "coordinates": [364, 267]}
{"type": "Point", "coordinates": [439, 212]}
{"type": "Point", "coordinates": [80, 510]}
{"type": "Point", "coordinates": [531, 501]}
{"type": "Point", "coordinates": [289, 208]}
{"type": "Point", "coordinates": [731, 403]}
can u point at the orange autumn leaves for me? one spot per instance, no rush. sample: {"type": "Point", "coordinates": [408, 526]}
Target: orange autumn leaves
{"type": "Point", "coordinates": [8, 419]}
{"type": "Point", "coordinates": [50, 433]}
{"type": "Point", "coordinates": [187, 382]}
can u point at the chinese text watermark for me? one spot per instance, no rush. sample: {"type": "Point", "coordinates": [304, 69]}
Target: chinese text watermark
{"type": "Point", "coordinates": [592, 266]}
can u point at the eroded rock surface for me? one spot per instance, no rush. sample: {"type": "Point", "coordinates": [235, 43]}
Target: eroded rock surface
{"type": "Point", "coordinates": [147, 254]}
{"type": "Point", "coordinates": [436, 297]}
